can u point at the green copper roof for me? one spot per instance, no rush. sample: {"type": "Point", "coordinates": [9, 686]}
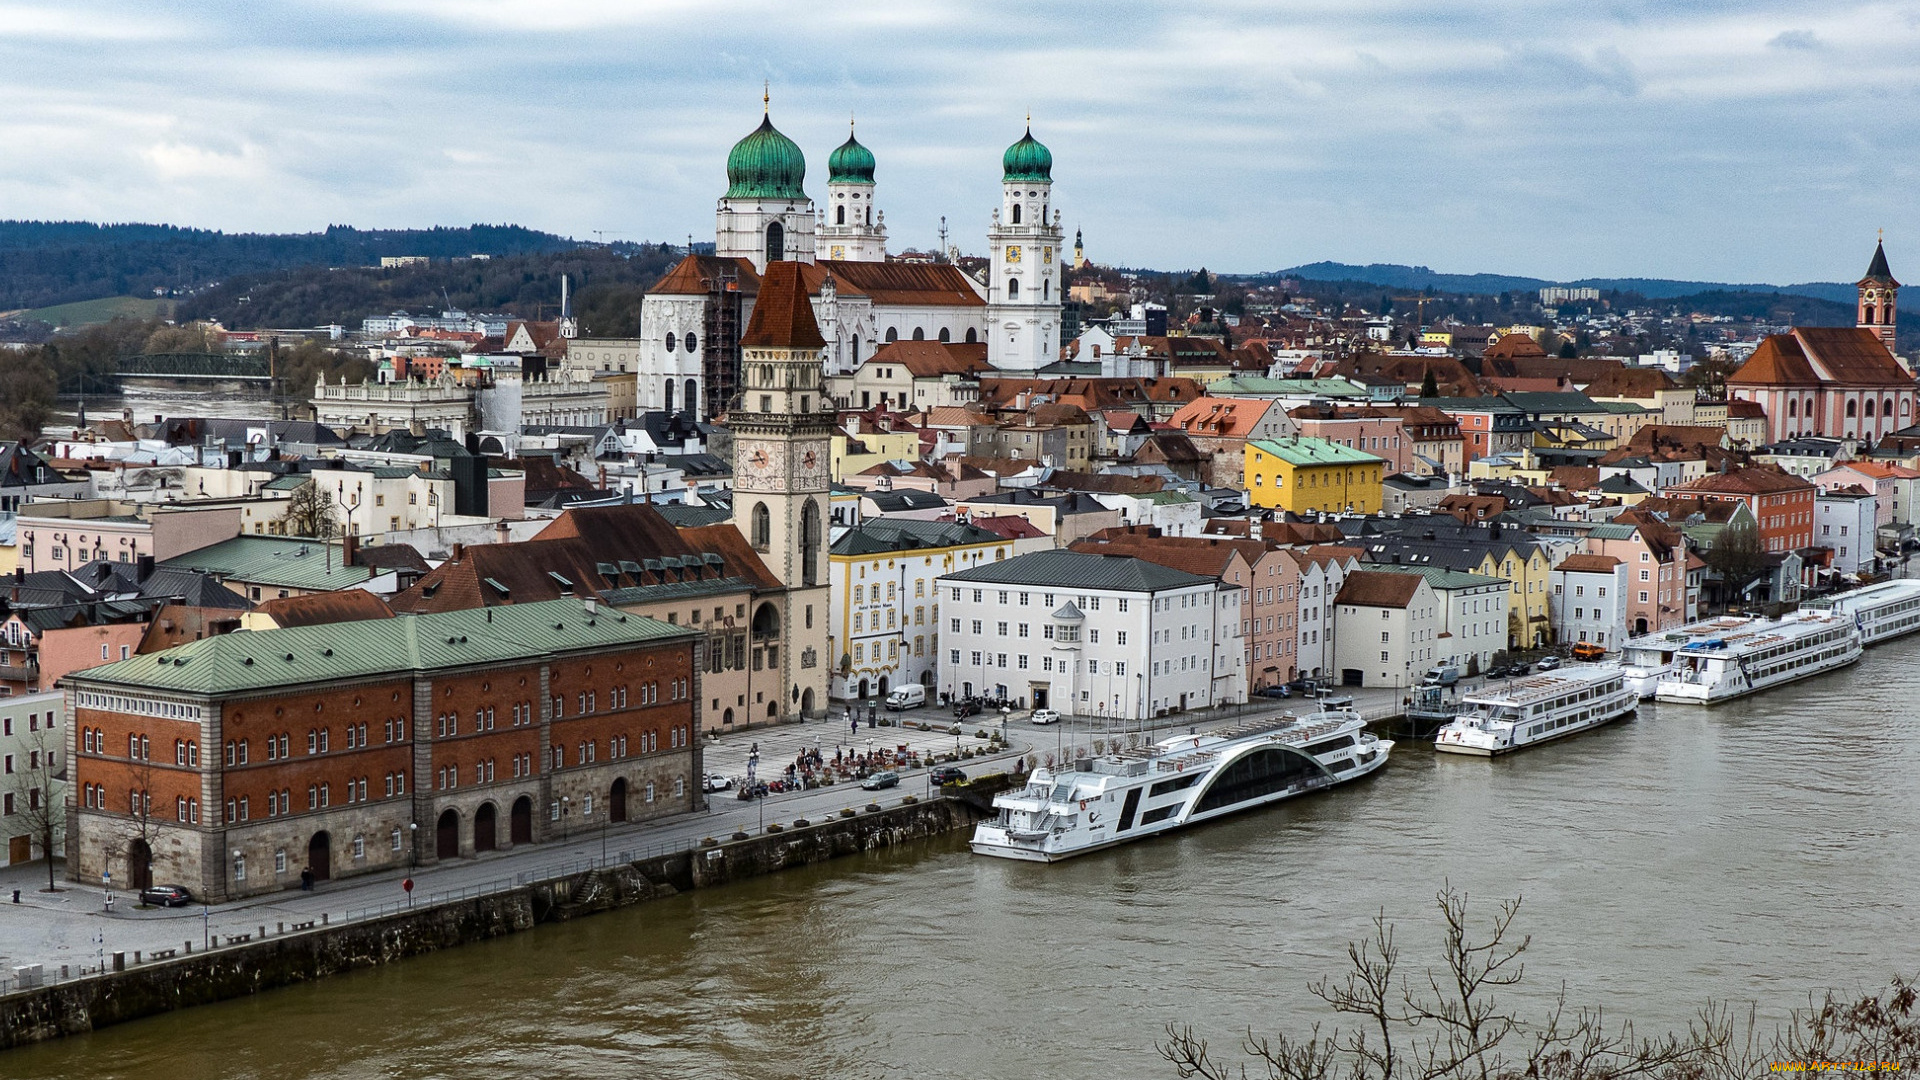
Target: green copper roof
{"type": "Point", "coordinates": [1028, 160]}
{"type": "Point", "coordinates": [1305, 450]}
{"type": "Point", "coordinates": [850, 163]}
{"type": "Point", "coordinates": [766, 165]}
{"type": "Point", "coordinates": [267, 659]}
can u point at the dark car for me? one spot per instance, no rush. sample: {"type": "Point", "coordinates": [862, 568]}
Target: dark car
{"type": "Point", "coordinates": [947, 774]}
{"type": "Point", "coordinates": [881, 780]}
{"type": "Point", "coordinates": [966, 708]}
{"type": "Point", "coordinates": [1275, 691]}
{"type": "Point", "coordinates": [1498, 671]}
{"type": "Point", "coordinates": [1303, 686]}
{"type": "Point", "coordinates": [166, 896]}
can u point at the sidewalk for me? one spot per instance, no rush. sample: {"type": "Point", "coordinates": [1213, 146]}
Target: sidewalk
{"type": "Point", "coordinates": [73, 927]}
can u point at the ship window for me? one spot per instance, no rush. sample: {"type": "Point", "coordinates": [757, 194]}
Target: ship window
{"type": "Point", "coordinates": [1263, 772]}
{"type": "Point", "coordinates": [1161, 814]}
{"type": "Point", "coordinates": [1327, 745]}
{"type": "Point", "coordinates": [1166, 786]}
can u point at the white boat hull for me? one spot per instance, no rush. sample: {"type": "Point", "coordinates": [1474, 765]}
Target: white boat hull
{"type": "Point", "coordinates": [1681, 692]}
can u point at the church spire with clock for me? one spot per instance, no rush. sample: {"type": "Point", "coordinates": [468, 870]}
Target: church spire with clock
{"type": "Point", "coordinates": [1025, 246]}
{"type": "Point", "coordinates": [782, 425]}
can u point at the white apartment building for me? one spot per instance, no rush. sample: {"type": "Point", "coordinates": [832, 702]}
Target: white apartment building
{"type": "Point", "coordinates": [883, 623]}
{"type": "Point", "coordinates": [1092, 635]}
{"type": "Point", "coordinates": [1322, 573]}
{"type": "Point", "coordinates": [32, 748]}
{"type": "Point", "coordinates": [1589, 600]}
{"type": "Point", "coordinates": [1388, 630]}
{"type": "Point", "coordinates": [1843, 520]}
{"type": "Point", "coordinates": [1473, 614]}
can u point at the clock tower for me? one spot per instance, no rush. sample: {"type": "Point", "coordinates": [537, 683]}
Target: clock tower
{"type": "Point", "coordinates": [783, 427]}
{"type": "Point", "coordinates": [1023, 296]}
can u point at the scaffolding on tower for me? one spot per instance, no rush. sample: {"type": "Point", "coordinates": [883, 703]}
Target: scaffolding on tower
{"type": "Point", "coordinates": [720, 363]}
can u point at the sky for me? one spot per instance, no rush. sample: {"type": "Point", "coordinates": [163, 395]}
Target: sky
{"type": "Point", "coordinates": [1697, 139]}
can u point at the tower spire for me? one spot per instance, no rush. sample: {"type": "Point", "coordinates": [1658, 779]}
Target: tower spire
{"type": "Point", "coordinates": [766, 98]}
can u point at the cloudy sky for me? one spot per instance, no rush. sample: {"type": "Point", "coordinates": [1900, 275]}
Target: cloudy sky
{"type": "Point", "coordinates": [1755, 141]}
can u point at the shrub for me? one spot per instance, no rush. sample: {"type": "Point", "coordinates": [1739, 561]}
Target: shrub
{"type": "Point", "coordinates": [909, 800]}
{"type": "Point", "coordinates": [739, 836]}
{"type": "Point", "coordinates": [774, 828]}
{"type": "Point", "coordinates": [801, 823]}
{"type": "Point", "coordinates": [873, 808]}
{"type": "Point", "coordinates": [848, 812]}
{"type": "Point", "coordinates": [708, 841]}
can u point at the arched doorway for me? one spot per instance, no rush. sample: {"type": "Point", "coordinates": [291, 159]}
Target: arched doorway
{"type": "Point", "coordinates": [520, 821]}
{"type": "Point", "coordinates": [1640, 626]}
{"type": "Point", "coordinates": [926, 679]}
{"type": "Point", "coordinates": [884, 686]}
{"type": "Point", "coordinates": [861, 695]}
{"type": "Point", "coordinates": [727, 716]}
{"type": "Point", "coordinates": [806, 702]}
{"type": "Point", "coordinates": [617, 801]}
{"type": "Point", "coordinates": [320, 855]}
{"type": "Point", "coordinates": [446, 840]}
{"type": "Point", "coordinates": [773, 710]}
{"type": "Point", "coordinates": [139, 865]}
{"type": "Point", "coordinates": [483, 828]}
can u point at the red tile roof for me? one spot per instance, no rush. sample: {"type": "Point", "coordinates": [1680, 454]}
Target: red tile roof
{"type": "Point", "coordinates": [783, 314]}
{"type": "Point", "coordinates": [904, 284]}
{"type": "Point", "coordinates": [932, 359]}
{"type": "Point", "coordinates": [318, 609]}
{"type": "Point", "coordinates": [1602, 564]}
{"type": "Point", "coordinates": [696, 275]}
{"type": "Point", "coordinates": [1379, 588]}
{"type": "Point", "coordinates": [1752, 480]}
{"type": "Point", "coordinates": [1812, 355]}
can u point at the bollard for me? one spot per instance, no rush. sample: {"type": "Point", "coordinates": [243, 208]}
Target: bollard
{"type": "Point", "coordinates": [189, 946]}
{"type": "Point", "coordinates": [16, 896]}
{"type": "Point", "coordinates": [323, 918]}
{"type": "Point", "coordinates": [279, 928]}
{"type": "Point", "coordinates": [263, 933]}
{"type": "Point", "coordinates": [136, 956]}
{"type": "Point", "coordinates": [119, 961]}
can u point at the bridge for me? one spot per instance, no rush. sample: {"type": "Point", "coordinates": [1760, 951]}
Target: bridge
{"type": "Point", "coordinates": [209, 366]}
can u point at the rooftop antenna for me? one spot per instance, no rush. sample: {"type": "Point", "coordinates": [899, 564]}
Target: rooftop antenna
{"type": "Point", "coordinates": [943, 236]}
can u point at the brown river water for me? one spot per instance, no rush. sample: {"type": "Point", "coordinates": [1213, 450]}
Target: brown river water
{"type": "Point", "coordinates": [1756, 851]}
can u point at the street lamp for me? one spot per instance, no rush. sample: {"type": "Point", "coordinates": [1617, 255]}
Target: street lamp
{"type": "Point", "coordinates": [413, 841]}
{"type": "Point", "coordinates": [566, 807]}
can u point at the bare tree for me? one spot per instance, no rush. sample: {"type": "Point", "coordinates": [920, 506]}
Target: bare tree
{"type": "Point", "coordinates": [35, 789]}
{"type": "Point", "coordinates": [311, 511]}
{"type": "Point", "coordinates": [1447, 1023]}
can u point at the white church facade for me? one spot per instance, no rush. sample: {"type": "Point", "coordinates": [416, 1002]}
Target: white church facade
{"type": "Point", "coordinates": [688, 352]}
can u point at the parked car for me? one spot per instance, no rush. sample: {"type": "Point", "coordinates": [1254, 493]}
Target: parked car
{"type": "Point", "coordinates": [1587, 650]}
{"type": "Point", "coordinates": [947, 774]}
{"type": "Point", "coordinates": [716, 782]}
{"type": "Point", "coordinates": [911, 696]}
{"type": "Point", "coordinates": [1547, 663]}
{"type": "Point", "coordinates": [1444, 675]}
{"type": "Point", "coordinates": [1498, 671]}
{"type": "Point", "coordinates": [1274, 691]}
{"type": "Point", "coordinates": [966, 708]}
{"type": "Point", "coordinates": [1045, 716]}
{"type": "Point", "coordinates": [1303, 686]}
{"type": "Point", "coordinates": [1520, 668]}
{"type": "Point", "coordinates": [885, 779]}
{"type": "Point", "coordinates": [166, 896]}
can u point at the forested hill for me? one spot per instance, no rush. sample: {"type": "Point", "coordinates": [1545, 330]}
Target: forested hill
{"type": "Point", "coordinates": [606, 288]}
{"type": "Point", "coordinates": [1394, 275]}
{"type": "Point", "coordinates": [56, 262]}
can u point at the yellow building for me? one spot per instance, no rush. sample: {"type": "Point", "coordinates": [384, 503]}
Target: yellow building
{"type": "Point", "coordinates": [1301, 475]}
{"type": "Point", "coordinates": [855, 454]}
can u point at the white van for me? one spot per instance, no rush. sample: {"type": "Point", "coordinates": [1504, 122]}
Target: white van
{"type": "Point", "coordinates": [907, 697]}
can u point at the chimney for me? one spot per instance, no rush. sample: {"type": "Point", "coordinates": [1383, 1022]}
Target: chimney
{"type": "Point", "coordinates": [459, 552]}
{"type": "Point", "coordinates": [417, 428]}
{"type": "Point", "coordinates": [500, 532]}
{"type": "Point", "coordinates": [143, 568]}
{"type": "Point", "coordinates": [349, 550]}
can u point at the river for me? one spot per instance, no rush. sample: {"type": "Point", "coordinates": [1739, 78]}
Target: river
{"type": "Point", "coordinates": [1754, 851]}
{"type": "Point", "coordinates": [148, 398]}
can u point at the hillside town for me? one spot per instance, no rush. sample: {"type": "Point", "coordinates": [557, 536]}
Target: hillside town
{"type": "Point", "coordinates": [521, 577]}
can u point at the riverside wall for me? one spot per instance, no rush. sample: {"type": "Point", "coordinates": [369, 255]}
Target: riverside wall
{"type": "Point", "coordinates": [231, 971]}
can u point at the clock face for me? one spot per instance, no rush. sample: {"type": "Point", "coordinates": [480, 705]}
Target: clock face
{"type": "Point", "coordinates": [838, 253]}
{"type": "Point", "coordinates": [1046, 254]}
{"type": "Point", "coordinates": [1013, 254]}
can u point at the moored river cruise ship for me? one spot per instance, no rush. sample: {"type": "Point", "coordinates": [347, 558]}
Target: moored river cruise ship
{"type": "Point", "coordinates": [1107, 800]}
{"type": "Point", "coordinates": [1537, 709]}
{"type": "Point", "coordinates": [1882, 612]}
{"type": "Point", "coordinates": [1762, 653]}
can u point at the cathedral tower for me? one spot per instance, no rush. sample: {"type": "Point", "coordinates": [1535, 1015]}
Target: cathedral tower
{"type": "Point", "coordinates": [783, 427]}
{"type": "Point", "coordinates": [1023, 295]}
{"type": "Point", "coordinates": [765, 216]}
{"type": "Point", "coordinates": [1878, 291]}
{"type": "Point", "coordinates": [852, 228]}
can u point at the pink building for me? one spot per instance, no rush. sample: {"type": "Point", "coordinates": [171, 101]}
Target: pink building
{"type": "Point", "coordinates": [1376, 431]}
{"type": "Point", "coordinates": [1656, 560]}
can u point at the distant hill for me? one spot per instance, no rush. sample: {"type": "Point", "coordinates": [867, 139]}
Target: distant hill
{"type": "Point", "coordinates": [606, 287]}
{"type": "Point", "coordinates": [47, 263]}
{"type": "Point", "coordinates": [1396, 276]}
{"type": "Point", "coordinates": [93, 312]}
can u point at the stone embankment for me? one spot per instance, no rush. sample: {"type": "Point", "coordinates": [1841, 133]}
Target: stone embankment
{"type": "Point", "coordinates": [178, 982]}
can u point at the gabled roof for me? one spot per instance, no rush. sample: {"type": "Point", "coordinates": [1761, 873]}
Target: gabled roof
{"type": "Point", "coordinates": [697, 275]}
{"type": "Point", "coordinates": [1811, 355]}
{"type": "Point", "coordinates": [1588, 564]}
{"type": "Point", "coordinates": [321, 609]}
{"type": "Point", "coordinates": [783, 313]}
{"type": "Point", "coordinates": [1379, 588]}
{"type": "Point", "coordinates": [1309, 451]}
{"type": "Point", "coordinates": [884, 535]}
{"type": "Point", "coordinates": [932, 359]}
{"type": "Point", "coordinates": [1203, 556]}
{"type": "Point", "coordinates": [1752, 480]}
{"type": "Point", "coordinates": [1221, 417]}
{"type": "Point", "coordinates": [1080, 570]}
{"type": "Point", "coordinates": [900, 284]}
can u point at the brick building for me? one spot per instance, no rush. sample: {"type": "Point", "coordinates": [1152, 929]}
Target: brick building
{"type": "Point", "coordinates": [231, 764]}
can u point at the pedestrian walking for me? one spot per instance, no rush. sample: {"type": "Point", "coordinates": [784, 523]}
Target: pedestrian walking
{"type": "Point", "coordinates": [306, 879]}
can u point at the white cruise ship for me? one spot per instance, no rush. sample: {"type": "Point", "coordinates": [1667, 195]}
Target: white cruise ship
{"type": "Point", "coordinates": [1761, 654]}
{"type": "Point", "coordinates": [1882, 612]}
{"type": "Point", "coordinates": [1124, 796]}
{"type": "Point", "coordinates": [1537, 709]}
{"type": "Point", "coordinates": [1647, 659]}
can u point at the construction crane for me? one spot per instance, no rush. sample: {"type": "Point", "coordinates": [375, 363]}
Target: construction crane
{"type": "Point", "coordinates": [1420, 307]}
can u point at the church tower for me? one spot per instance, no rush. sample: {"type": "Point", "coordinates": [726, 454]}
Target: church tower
{"type": "Point", "coordinates": [852, 228]}
{"type": "Point", "coordinates": [1025, 246]}
{"type": "Point", "coordinates": [783, 428]}
{"type": "Point", "coordinates": [1878, 291]}
{"type": "Point", "coordinates": [765, 216]}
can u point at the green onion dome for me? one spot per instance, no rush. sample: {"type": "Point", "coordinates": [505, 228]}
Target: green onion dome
{"type": "Point", "coordinates": [1028, 160]}
{"type": "Point", "coordinates": [850, 163]}
{"type": "Point", "coordinates": [766, 165]}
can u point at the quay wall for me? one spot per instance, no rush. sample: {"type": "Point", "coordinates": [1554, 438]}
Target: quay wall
{"type": "Point", "coordinates": [249, 967]}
